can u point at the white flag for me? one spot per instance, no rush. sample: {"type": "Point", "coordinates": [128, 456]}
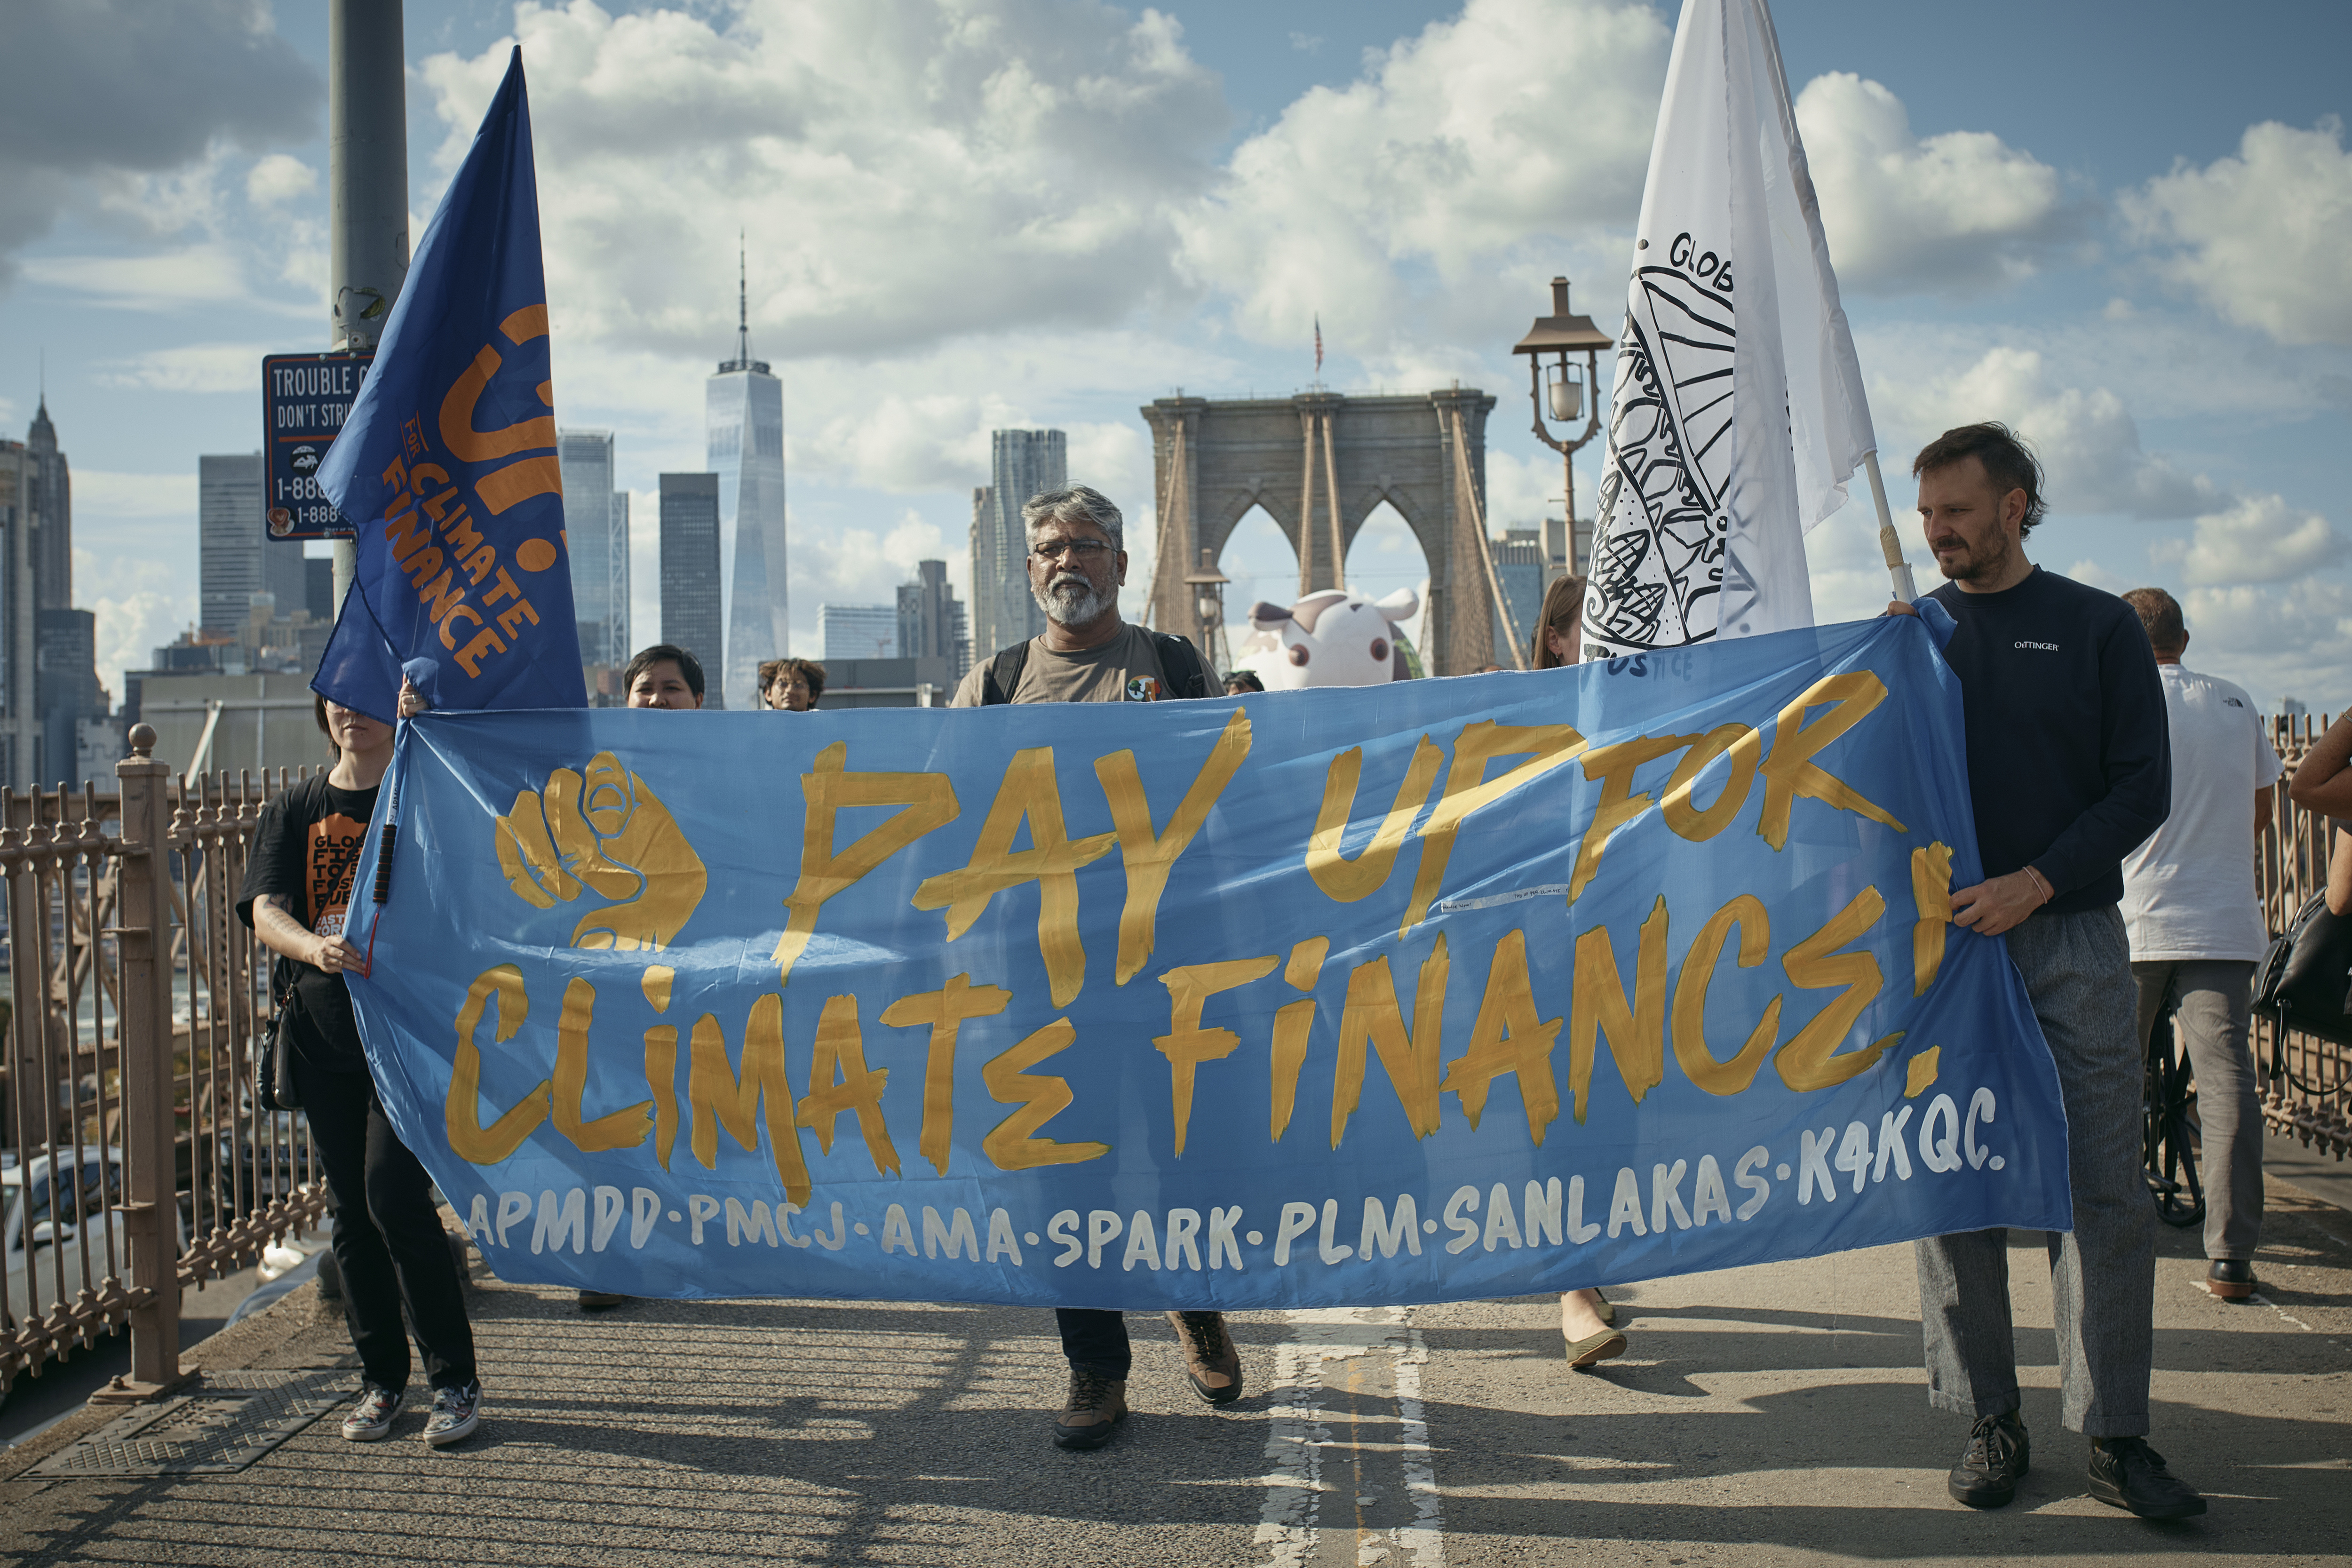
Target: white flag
{"type": "Point", "coordinates": [1738, 411]}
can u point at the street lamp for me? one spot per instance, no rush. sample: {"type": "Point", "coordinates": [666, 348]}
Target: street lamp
{"type": "Point", "coordinates": [1208, 585]}
{"type": "Point", "coordinates": [1569, 392]}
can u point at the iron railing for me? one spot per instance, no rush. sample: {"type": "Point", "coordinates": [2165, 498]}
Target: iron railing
{"type": "Point", "coordinates": [2307, 1081]}
{"type": "Point", "coordinates": [138, 1163]}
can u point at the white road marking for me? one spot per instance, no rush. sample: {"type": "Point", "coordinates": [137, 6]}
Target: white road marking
{"type": "Point", "coordinates": [1301, 1444]}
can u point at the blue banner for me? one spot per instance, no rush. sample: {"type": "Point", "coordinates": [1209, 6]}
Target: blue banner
{"type": "Point", "coordinates": [1436, 990]}
{"type": "Point", "coordinates": [446, 466]}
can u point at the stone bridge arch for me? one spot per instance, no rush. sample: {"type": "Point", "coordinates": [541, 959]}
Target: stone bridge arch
{"type": "Point", "coordinates": [1319, 464]}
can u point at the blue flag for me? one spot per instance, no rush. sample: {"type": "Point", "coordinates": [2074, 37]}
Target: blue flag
{"type": "Point", "coordinates": [1441, 989]}
{"type": "Point", "coordinates": [447, 463]}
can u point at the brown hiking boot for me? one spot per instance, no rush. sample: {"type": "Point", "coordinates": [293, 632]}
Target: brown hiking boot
{"type": "Point", "coordinates": [1210, 1358]}
{"type": "Point", "coordinates": [1093, 1412]}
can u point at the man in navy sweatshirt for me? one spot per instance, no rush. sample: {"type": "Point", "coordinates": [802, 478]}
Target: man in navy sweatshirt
{"type": "Point", "coordinates": [2070, 769]}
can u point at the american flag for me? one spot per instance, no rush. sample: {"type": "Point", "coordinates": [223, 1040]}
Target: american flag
{"type": "Point", "coordinates": [1318, 343]}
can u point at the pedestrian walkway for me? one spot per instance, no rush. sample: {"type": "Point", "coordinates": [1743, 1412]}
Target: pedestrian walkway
{"type": "Point", "coordinates": [1768, 1415]}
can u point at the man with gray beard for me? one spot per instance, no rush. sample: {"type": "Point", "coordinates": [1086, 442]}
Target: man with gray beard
{"type": "Point", "coordinates": [1087, 654]}
{"type": "Point", "coordinates": [1077, 562]}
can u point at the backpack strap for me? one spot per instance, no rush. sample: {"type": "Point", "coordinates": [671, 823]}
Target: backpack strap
{"type": "Point", "coordinates": [1188, 672]}
{"type": "Point", "coordinates": [1003, 675]}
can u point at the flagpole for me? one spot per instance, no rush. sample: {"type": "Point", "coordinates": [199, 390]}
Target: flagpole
{"type": "Point", "coordinates": [1889, 542]}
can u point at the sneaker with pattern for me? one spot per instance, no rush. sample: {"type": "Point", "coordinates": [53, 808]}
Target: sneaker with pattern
{"type": "Point", "coordinates": [456, 1413]}
{"type": "Point", "coordinates": [372, 1417]}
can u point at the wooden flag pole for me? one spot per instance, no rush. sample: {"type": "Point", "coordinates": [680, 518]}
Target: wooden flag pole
{"type": "Point", "coordinates": [1888, 541]}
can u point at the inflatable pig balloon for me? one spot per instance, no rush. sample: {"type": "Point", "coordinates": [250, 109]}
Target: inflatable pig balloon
{"type": "Point", "coordinates": [1329, 638]}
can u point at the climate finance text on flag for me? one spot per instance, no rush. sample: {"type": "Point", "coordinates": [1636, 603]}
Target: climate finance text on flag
{"type": "Point", "coordinates": [1441, 989]}
{"type": "Point", "coordinates": [448, 467]}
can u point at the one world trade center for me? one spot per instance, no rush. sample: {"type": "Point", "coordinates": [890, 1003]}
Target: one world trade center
{"type": "Point", "coordinates": [745, 405]}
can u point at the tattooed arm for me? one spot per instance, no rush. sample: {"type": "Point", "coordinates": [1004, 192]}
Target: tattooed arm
{"type": "Point", "coordinates": [280, 932]}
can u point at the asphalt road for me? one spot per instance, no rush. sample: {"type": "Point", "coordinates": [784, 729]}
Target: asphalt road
{"type": "Point", "coordinates": [1771, 1415]}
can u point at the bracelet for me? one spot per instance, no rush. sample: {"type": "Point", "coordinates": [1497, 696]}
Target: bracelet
{"type": "Point", "coordinates": [2042, 882]}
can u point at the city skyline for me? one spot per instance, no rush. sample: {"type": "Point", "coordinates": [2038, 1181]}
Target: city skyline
{"type": "Point", "coordinates": [2105, 259]}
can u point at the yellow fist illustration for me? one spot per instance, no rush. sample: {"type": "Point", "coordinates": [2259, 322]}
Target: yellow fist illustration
{"type": "Point", "coordinates": [608, 831]}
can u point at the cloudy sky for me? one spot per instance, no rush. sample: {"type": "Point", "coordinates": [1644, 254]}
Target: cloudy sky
{"type": "Point", "coordinates": [2122, 225]}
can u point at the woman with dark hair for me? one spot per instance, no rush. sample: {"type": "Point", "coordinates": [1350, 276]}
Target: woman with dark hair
{"type": "Point", "coordinates": [1242, 682]}
{"type": "Point", "coordinates": [388, 1242]}
{"type": "Point", "coordinates": [1559, 630]}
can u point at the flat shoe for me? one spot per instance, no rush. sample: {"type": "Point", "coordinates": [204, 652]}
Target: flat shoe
{"type": "Point", "coordinates": [1601, 1347]}
{"type": "Point", "coordinates": [2231, 1279]}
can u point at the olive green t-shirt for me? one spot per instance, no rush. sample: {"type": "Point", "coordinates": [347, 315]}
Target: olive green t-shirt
{"type": "Point", "coordinates": [1125, 670]}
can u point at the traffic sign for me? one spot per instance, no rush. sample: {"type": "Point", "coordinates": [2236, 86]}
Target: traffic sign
{"type": "Point", "coordinates": [305, 398]}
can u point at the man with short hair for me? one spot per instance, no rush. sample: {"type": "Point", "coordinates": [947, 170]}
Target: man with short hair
{"type": "Point", "coordinates": [791, 685]}
{"type": "Point", "coordinates": [1076, 564]}
{"type": "Point", "coordinates": [664, 676]}
{"type": "Point", "coordinates": [2196, 928]}
{"type": "Point", "coordinates": [2069, 769]}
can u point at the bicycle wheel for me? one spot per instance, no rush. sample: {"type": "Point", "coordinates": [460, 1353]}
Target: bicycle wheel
{"type": "Point", "coordinates": [2168, 1107]}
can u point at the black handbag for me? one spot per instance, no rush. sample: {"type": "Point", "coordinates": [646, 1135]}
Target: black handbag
{"type": "Point", "coordinates": [273, 1066]}
{"type": "Point", "coordinates": [2306, 979]}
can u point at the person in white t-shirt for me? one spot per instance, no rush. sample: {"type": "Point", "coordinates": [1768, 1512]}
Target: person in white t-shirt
{"type": "Point", "coordinates": [2196, 925]}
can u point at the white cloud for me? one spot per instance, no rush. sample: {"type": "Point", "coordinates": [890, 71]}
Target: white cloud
{"type": "Point", "coordinates": [903, 172]}
{"type": "Point", "coordinates": [2259, 540]}
{"type": "Point", "coordinates": [278, 178]}
{"type": "Point", "coordinates": [2087, 440]}
{"type": "Point", "coordinates": [1475, 140]}
{"type": "Point", "coordinates": [2294, 640]}
{"type": "Point", "coordinates": [109, 90]}
{"type": "Point", "coordinates": [100, 492]}
{"type": "Point", "coordinates": [198, 275]}
{"type": "Point", "coordinates": [1958, 211]}
{"type": "Point", "coordinates": [2262, 238]}
{"type": "Point", "coordinates": [189, 367]}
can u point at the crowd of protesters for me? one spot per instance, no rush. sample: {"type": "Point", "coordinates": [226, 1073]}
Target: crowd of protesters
{"type": "Point", "coordinates": [2118, 798]}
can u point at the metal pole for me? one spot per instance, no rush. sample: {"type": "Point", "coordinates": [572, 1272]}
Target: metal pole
{"type": "Point", "coordinates": [367, 185]}
{"type": "Point", "coordinates": [151, 1203]}
{"type": "Point", "coordinates": [1889, 544]}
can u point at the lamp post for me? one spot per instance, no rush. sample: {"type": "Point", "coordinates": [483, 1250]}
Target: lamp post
{"type": "Point", "coordinates": [1208, 585]}
{"type": "Point", "coordinates": [1567, 397]}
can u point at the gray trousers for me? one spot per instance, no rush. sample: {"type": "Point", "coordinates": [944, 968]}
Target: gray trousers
{"type": "Point", "coordinates": [2077, 971]}
{"type": "Point", "coordinates": [2215, 1002]}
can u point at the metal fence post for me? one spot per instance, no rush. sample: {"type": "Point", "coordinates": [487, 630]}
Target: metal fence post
{"type": "Point", "coordinates": [144, 941]}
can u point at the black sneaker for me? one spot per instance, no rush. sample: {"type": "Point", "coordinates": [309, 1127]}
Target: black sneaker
{"type": "Point", "coordinates": [1093, 1412]}
{"type": "Point", "coordinates": [1996, 1456]}
{"type": "Point", "coordinates": [2126, 1473]}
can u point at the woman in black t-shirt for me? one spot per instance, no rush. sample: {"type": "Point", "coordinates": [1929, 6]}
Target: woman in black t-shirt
{"type": "Point", "coordinates": [388, 1240]}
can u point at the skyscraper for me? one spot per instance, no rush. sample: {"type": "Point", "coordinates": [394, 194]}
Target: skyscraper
{"type": "Point", "coordinates": [745, 408]}
{"type": "Point", "coordinates": [858, 631]}
{"type": "Point", "coordinates": [1023, 463]}
{"type": "Point", "coordinates": [690, 572]}
{"type": "Point", "coordinates": [235, 556]}
{"type": "Point", "coordinates": [596, 521]}
{"type": "Point", "coordinates": [931, 620]}
{"type": "Point", "coordinates": [18, 621]}
{"type": "Point", "coordinates": [49, 499]}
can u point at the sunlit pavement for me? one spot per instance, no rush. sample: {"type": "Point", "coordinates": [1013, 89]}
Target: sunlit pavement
{"type": "Point", "coordinates": [1774, 1415]}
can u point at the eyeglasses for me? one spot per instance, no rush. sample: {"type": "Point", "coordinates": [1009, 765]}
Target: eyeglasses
{"type": "Point", "coordinates": [1084, 548]}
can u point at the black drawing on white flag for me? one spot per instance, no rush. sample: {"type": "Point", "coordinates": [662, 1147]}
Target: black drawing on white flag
{"type": "Point", "coordinates": [1663, 516]}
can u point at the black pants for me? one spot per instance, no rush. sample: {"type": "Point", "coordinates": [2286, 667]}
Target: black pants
{"type": "Point", "coordinates": [1094, 1337]}
{"type": "Point", "coordinates": [390, 1247]}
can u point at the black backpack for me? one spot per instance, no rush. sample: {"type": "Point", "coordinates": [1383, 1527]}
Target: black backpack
{"type": "Point", "coordinates": [1188, 673]}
